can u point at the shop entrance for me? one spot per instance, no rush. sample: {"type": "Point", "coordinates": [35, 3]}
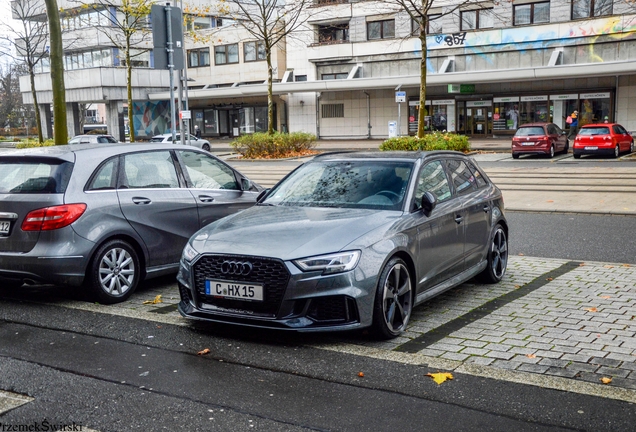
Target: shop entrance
{"type": "Point", "coordinates": [478, 116]}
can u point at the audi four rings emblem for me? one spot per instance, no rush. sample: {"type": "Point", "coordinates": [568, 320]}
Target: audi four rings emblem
{"type": "Point", "coordinates": [236, 268]}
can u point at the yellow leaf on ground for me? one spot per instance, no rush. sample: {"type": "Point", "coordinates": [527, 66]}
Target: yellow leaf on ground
{"type": "Point", "coordinates": [591, 309]}
{"type": "Point", "coordinates": [608, 266]}
{"type": "Point", "coordinates": [626, 265]}
{"type": "Point", "coordinates": [361, 374]}
{"type": "Point", "coordinates": [204, 351]}
{"type": "Point", "coordinates": [606, 297]}
{"type": "Point", "coordinates": [550, 201]}
{"type": "Point", "coordinates": [531, 355]}
{"type": "Point", "coordinates": [440, 377]}
{"type": "Point", "coordinates": [606, 380]}
{"type": "Point", "coordinates": [155, 301]}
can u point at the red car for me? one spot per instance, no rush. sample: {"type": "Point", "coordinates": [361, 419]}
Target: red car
{"type": "Point", "coordinates": [539, 138]}
{"type": "Point", "coordinates": [602, 139]}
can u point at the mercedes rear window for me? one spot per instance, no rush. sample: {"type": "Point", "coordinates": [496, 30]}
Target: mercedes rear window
{"type": "Point", "coordinates": [530, 131]}
{"type": "Point", "coordinates": [33, 176]}
{"type": "Point", "coordinates": [598, 130]}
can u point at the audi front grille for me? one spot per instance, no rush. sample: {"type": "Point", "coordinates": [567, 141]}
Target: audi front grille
{"type": "Point", "coordinates": [268, 272]}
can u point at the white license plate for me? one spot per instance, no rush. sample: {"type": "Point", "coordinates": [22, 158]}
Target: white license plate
{"type": "Point", "coordinates": [527, 143]}
{"type": "Point", "coordinates": [4, 227]}
{"type": "Point", "coordinates": [591, 148]}
{"type": "Point", "coordinates": [234, 290]}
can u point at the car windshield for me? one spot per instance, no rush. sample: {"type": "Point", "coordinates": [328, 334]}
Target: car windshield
{"type": "Point", "coordinates": [368, 184]}
{"type": "Point", "coordinates": [34, 176]}
{"type": "Point", "coordinates": [600, 130]}
{"type": "Point", "coordinates": [530, 131]}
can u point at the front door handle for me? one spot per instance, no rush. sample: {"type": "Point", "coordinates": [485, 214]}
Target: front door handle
{"type": "Point", "coordinates": [141, 200]}
{"type": "Point", "coordinates": [206, 198]}
{"type": "Point", "coordinates": [486, 208]}
{"type": "Point", "coordinates": [459, 219]}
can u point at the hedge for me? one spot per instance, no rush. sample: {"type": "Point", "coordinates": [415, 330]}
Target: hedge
{"type": "Point", "coordinates": [433, 141]}
{"type": "Point", "coordinates": [279, 145]}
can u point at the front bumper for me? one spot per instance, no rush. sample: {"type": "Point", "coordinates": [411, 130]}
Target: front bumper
{"type": "Point", "coordinates": [307, 301]}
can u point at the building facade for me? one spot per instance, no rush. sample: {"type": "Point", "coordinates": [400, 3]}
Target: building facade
{"type": "Point", "coordinates": [354, 66]}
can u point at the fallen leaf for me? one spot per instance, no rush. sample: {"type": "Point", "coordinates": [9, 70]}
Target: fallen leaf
{"type": "Point", "coordinates": [517, 286]}
{"type": "Point", "coordinates": [361, 374]}
{"type": "Point", "coordinates": [440, 377]}
{"type": "Point", "coordinates": [549, 279]}
{"type": "Point", "coordinates": [606, 297]}
{"type": "Point", "coordinates": [550, 201]}
{"type": "Point", "coordinates": [155, 301]}
{"type": "Point", "coordinates": [626, 265]}
{"type": "Point", "coordinates": [204, 351]}
{"type": "Point", "coordinates": [608, 266]}
{"type": "Point", "coordinates": [581, 265]}
{"type": "Point", "coordinates": [520, 254]}
{"type": "Point", "coordinates": [606, 380]}
{"type": "Point", "coordinates": [531, 355]}
{"type": "Point", "coordinates": [592, 309]}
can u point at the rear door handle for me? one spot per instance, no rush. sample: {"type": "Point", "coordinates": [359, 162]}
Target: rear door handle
{"type": "Point", "coordinates": [459, 219]}
{"type": "Point", "coordinates": [141, 200]}
{"type": "Point", "coordinates": [206, 198]}
{"type": "Point", "coordinates": [486, 208]}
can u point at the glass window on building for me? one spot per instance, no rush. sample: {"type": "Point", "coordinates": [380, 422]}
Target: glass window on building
{"type": "Point", "coordinates": [591, 8]}
{"type": "Point", "coordinates": [434, 25]}
{"type": "Point", "coordinates": [253, 51]}
{"type": "Point", "coordinates": [593, 107]}
{"type": "Point", "coordinates": [476, 19]}
{"type": "Point", "coordinates": [210, 124]}
{"type": "Point", "coordinates": [226, 54]}
{"type": "Point", "coordinates": [260, 119]}
{"type": "Point", "coordinates": [334, 76]}
{"type": "Point", "coordinates": [199, 57]}
{"type": "Point", "coordinates": [505, 114]}
{"type": "Point", "coordinates": [532, 13]}
{"type": "Point", "coordinates": [333, 33]}
{"type": "Point", "coordinates": [384, 29]}
{"type": "Point", "coordinates": [534, 109]}
{"type": "Point", "coordinates": [246, 120]}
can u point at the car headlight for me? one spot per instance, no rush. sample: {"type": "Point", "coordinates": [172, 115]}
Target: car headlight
{"type": "Point", "coordinates": [329, 264]}
{"type": "Point", "coordinates": [189, 253]}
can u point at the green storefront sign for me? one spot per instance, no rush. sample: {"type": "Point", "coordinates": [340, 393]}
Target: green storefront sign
{"type": "Point", "coordinates": [461, 88]}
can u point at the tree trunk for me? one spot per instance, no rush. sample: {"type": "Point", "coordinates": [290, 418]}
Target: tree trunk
{"type": "Point", "coordinates": [38, 118]}
{"type": "Point", "coordinates": [131, 129]}
{"type": "Point", "coordinates": [60, 132]}
{"type": "Point", "coordinates": [422, 112]}
{"type": "Point", "coordinates": [270, 97]}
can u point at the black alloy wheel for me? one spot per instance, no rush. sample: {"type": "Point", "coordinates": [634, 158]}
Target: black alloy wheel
{"type": "Point", "coordinates": [393, 300]}
{"type": "Point", "coordinates": [206, 147]}
{"type": "Point", "coordinates": [497, 257]}
{"type": "Point", "coordinates": [617, 151]}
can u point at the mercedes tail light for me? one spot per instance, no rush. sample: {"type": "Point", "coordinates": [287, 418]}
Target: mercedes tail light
{"type": "Point", "coordinates": [51, 218]}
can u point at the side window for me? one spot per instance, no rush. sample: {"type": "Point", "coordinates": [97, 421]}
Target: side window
{"type": "Point", "coordinates": [205, 172]}
{"type": "Point", "coordinates": [461, 176]}
{"type": "Point", "coordinates": [479, 178]}
{"type": "Point", "coordinates": [433, 179]}
{"type": "Point", "coordinates": [104, 176]}
{"type": "Point", "coordinates": [150, 170]}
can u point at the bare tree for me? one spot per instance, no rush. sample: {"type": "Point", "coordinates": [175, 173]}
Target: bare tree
{"type": "Point", "coordinates": [60, 133]}
{"type": "Point", "coordinates": [12, 112]}
{"type": "Point", "coordinates": [269, 21]}
{"type": "Point", "coordinates": [132, 32]}
{"type": "Point", "coordinates": [30, 41]}
{"type": "Point", "coordinates": [421, 17]}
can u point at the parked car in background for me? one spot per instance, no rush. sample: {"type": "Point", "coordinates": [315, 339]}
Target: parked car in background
{"type": "Point", "coordinates": [108, 216]}
{"type": "Point", "coordinates": [602, 139]}
{"type": "Point", "coordinates": [194, 141]}
{"type": "Point", "coordinates": [93, 139]}
{"type": "Point", "coordinates": [348, 241]}
{"type": "Point", "coordinates": [539, 138]}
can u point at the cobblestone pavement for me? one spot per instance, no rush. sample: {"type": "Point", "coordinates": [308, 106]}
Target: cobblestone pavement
{"type": "Point", "coordinates": [550, 322]}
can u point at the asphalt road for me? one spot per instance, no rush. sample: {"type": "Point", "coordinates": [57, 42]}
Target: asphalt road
{"type": "Point", "coordinates": [601, 238]}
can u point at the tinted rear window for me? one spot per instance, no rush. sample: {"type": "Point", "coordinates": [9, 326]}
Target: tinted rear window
{"type": "Point", "coordinates": [530, 131]}
{"type": "Point", "coordinates": [34, 176]}
{"type": "Point", "coordinates": [600, 130]}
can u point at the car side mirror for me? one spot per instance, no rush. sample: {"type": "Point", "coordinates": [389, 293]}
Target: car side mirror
{"type": "Point", "coordinates": [246, 184]}
{"type": "Point", "coordinates": [261, 196]}
{"type": "Point", "coordinates": [429, 201]}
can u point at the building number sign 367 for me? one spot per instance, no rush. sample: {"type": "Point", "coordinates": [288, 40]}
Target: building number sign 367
{"type": "Point", "coordinates": [452, 39]}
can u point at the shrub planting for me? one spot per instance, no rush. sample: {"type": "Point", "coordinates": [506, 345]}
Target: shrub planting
{"type": "Point", "coordinates": [433, 141]}
{"type": "Point", "coordinates": [260, 145]}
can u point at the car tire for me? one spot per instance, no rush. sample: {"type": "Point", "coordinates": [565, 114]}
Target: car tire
{"type": "Point", "coordinates": [617, 151]}
{"type": "Point", "coordinates": [497, 257]}
{"type": "Point", "coordinates": [515, 155]}
{"type": "Point", "coordinates": [551, 154]}
{"type": "Point", "coordinates": [393, 300]}
{"type": "Point", "coordinates": [114, 272]}
{"type": "Point", "coordinates": [631, 147]}
{"type": "Point", "coordinates": [576, 156]}
{"type": "Point", "coordinates": [206, 147]}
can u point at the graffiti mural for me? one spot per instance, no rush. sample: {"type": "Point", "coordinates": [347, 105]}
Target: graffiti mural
{"type": "Point", "coordinates": [151, 118]}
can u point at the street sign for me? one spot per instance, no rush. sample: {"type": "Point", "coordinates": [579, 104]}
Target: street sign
{"type": "Point", "coordinates": [185, 115]}
{"type": "Point", "coordinates": [400, 96]}
{"type": "Point", "coordinates": [160, 36]}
